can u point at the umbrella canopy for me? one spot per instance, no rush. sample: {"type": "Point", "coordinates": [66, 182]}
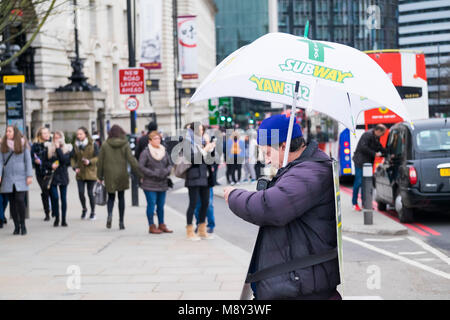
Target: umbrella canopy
{"type": "Point", "coordinates": [335, 79]}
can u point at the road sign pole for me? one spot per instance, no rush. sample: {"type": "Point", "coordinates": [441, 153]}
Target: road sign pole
{"type": "Point", "coordinates": [132, 64]}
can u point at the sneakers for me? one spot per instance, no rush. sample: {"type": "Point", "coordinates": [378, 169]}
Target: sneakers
{"type": "Point", "coordinates": [356, 207]}
{"type": "Point", "coordinates": [92, 216]}
{"type": "Point", "coordinates": [210, 230]}
{"type": "Point", "coordinates": [83, 214]}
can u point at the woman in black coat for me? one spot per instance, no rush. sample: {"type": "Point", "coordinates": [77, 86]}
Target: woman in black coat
{"type": "Point", "coordinates": [38, 155]}
{"type": "Point", "coordinates": [58, 162]}
{"type": "Point", "coordinates": [198, 180]}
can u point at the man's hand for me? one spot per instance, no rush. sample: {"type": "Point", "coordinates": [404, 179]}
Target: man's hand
{"type": "Point", "coordinates": [77, 170]}
{"type": "Point", "coordinates": [37, 161]}
{"type": "Point", "coordinates": [378, 154]}
{"type": "Point", "coordinates": [29, 180]}
{"type": "Point", "coordinates": [226, 192]}
{"type": "Point", "coordinates": [55, 166]}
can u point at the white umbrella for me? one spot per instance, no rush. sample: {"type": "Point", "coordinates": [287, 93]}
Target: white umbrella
{"type": "Point", "coordinates": [334, 79]}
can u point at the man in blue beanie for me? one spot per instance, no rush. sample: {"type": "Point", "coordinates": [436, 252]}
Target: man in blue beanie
{"type": "Point", "coordinates": [295, 255]}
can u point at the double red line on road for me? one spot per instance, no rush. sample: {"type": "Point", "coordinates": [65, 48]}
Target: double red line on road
{"type": "Point", "coordinates": [416, 227]}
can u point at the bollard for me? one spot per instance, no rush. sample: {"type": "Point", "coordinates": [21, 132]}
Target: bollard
{"type": "Point", "coordinates": [367, 191]}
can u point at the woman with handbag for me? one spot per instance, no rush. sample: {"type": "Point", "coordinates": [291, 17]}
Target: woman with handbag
{"type": "Point", "coordinates": [84, 162]}
{"type": "Point", "coordinates": [58, 163]}
{"type": "Point", "coordinates": [198, 180]}
{"type": "Point", "coordinates": [38, 155]}
{"type": "Point", "coordinates": [155, 166]}
{"type": "Point", "coordinates": [16, 174]}
{"type": "Point", "coordinates": [113, 158]}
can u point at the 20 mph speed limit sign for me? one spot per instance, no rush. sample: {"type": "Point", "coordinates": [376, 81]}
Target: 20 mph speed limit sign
{"type": "Point", "coordinates": [132, 103]}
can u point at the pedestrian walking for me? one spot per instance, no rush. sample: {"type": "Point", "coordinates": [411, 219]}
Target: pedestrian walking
{"type": "Point", "coordinates": [142, 142]}
{"type": "Point", "coordinates": [250, 159]}
{"type": "Point", "coordinates": [84, 161]}
{"type": "Point", "coordinates": [16, 174]}
{"type": "Point", "coordinates": [197, 180]}
{"type": "Point", "coordinates": [212, 181]}
{"type": "Point", "coordinates": [237, 153]}
{"type": "Point", "coordinates": [39, 153]}
{"type": "Point", "coordinates": [156, 167]}
{"type": "Point", "coordinates": [113, 158]}
{"type": "Point", "coordinates": [295, 254]}
{"type": "Point", "coordinates": [367, 149]}
{"type": "Point", "coordinates": [58, 162]}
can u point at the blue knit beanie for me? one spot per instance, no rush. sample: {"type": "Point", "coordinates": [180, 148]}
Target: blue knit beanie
{"type": "Point", "coordinates": [268, 129]}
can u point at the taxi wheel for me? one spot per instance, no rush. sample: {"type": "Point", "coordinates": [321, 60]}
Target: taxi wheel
{"type": "Point", "coordinates": [381, 206]}
{"type": "Point", "coordinates": [405, 215]}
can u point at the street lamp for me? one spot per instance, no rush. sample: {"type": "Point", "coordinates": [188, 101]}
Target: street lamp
{"type": "Point", "coordinates": [78, 81]}
{"type": "Point", "coordinates": [6, 52]}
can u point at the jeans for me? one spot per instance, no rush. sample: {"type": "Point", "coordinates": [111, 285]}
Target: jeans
{"type": "Point", "coordinates": [55, 201]}
{"type": "Point", "coordinates": [209, 212]}
{"type": "Point", "coordinates": [3, 205]}
{"type": "Point", "coordinates": [249, 170]}
{"type": "Point", "coordinates": [357, 184]}
{"type": "Point", "coordinates": [158, 199]}
{"type": "Point", "coordinates": [90, 190]}
{"type": "Point", "coordinates": [194, 194]}
{"type": "Point", "coordinates": [110, 204]}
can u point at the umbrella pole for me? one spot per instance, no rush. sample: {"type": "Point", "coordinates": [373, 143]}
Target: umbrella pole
{"type": "Point", "coordinates": [291, 124]}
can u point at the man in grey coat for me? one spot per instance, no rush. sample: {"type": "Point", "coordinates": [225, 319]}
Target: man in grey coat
{"type": "Point", "coordinates": [295, 254]}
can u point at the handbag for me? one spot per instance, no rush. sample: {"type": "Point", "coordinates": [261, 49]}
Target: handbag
{"type": "Point", "coordinates": [3, 168]}
{"type": "Point", "coordinates": [48, 179]}
{"type": "Point", "coordinates": [181, 169]}
{"type": "Point", "coordinates": [100, 194]}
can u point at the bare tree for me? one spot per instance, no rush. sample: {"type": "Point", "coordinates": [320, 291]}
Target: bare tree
{"type": "Point", "coordinates": [31, 15]}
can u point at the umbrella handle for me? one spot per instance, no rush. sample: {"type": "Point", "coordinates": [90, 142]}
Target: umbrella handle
{"type": "Point", "coordinates": [291, 124]}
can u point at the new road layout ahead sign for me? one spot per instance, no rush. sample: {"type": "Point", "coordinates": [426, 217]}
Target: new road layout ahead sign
{"type": "Point", "coordinates": [131, 81]}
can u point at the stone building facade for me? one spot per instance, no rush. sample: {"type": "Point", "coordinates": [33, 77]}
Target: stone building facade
{"type": "Point", "coordinates": [102, 31]}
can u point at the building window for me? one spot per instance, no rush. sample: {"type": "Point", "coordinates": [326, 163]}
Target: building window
{"type": "Point", "coordinates": [92, 18]}
{"type": "Point", "coordinates": [110, 17]}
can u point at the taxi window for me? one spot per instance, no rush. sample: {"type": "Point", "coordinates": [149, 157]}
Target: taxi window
{"type": "Point", "coordinates": [433, 140]}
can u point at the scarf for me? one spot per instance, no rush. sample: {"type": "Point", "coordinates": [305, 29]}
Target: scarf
{"type": "Point", "coordinates": [157, 153]}
{"type": "Point", "coordinates": [82, 144]}
{"type": "Point", "coordinates": [10, 143]}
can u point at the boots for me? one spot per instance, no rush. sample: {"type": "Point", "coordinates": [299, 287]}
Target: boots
{"type": "Point", "coordinates": [164, 228]}
{"type": "Point", "coordinates": [191, 234]}
{"type": "Point", "coordinates": [56, 223]}
{"type": "Point", "coordinates": [47, 216]}
{"type": "Point", "coordinates": [16, 229]}
{"type": "Point", "coordinates": [121, 225]}
{"type": "Point", "coordinates": [63, 222]}
{"type": "Point", "coordinates": [23, 229]}
{"type": "Point", "coordinates": [109, 222]}
{"type": "Point", "coordinates": [154, 229]}
{"type": "Point", "coordinates": [202, 232]}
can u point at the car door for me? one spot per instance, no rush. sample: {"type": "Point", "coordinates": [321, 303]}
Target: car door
{"type": "Point", "coordinates": [382, 175]}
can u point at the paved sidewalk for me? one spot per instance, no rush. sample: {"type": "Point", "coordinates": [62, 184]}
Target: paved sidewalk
{"type": "Point", "coordinates": [352, 221]}
{"type": "Point", "coordinates": [113, 263]}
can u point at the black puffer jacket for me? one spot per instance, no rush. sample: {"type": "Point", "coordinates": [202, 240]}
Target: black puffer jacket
{"type": "Point", "coordinates": [39, 150]}
{"type": "Point", "coordinates": [61, 175]}
{"type": "Point", "coordinates": [368, 145]}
